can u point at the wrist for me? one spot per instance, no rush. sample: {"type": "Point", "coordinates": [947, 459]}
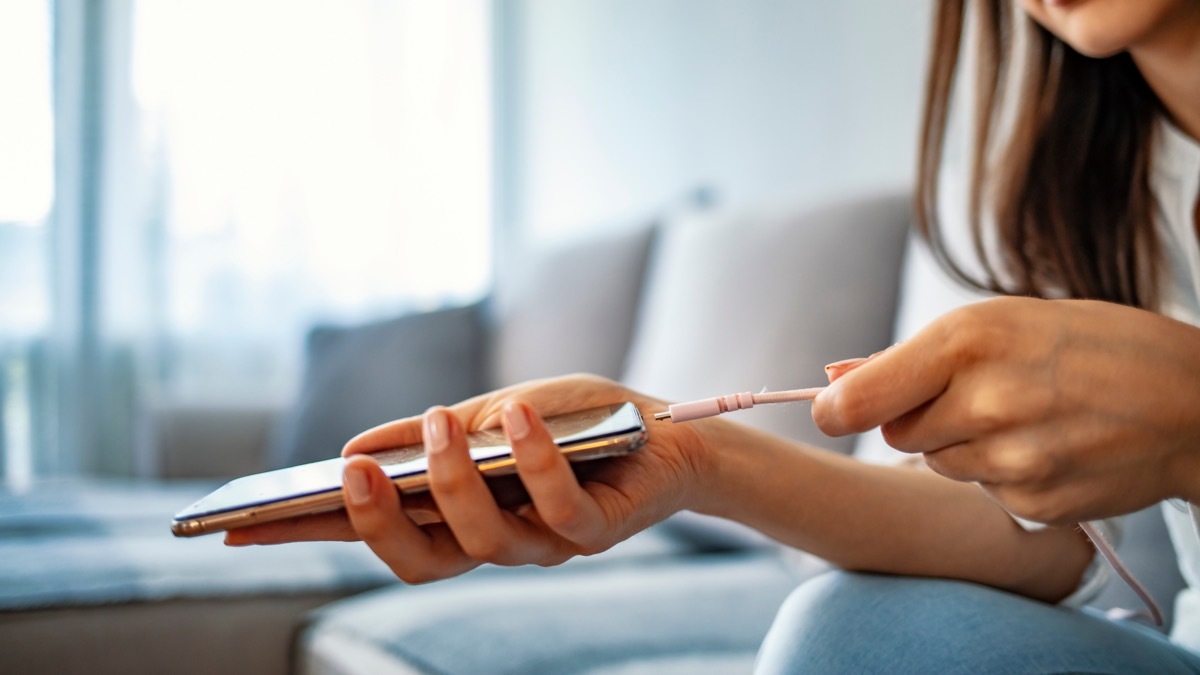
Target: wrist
{"type": "Point", "coordinates": [698, 447]}
{"type": "Point", "coordinates": [734, 465]}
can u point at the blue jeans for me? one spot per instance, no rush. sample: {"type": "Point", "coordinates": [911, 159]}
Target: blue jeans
{"type": "Point", "coordinates": [860, 623]}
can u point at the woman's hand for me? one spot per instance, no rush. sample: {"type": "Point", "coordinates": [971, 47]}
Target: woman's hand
{"type": "Point", "coordinates": [461, 525]}
{"type": "Point", "coordinates": [1062, 410]}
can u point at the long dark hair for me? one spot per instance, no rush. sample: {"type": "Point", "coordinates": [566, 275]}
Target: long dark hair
{"type": "Point", "coordinates": [1067, 186]}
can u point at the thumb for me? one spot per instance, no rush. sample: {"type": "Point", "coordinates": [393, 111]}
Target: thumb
{"type": "Point", "coordinates": [866, 393]}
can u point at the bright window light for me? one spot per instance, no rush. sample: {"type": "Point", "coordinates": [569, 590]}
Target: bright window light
{"type": "Point", "coordinates": [26, 122]}
{"type": "Point", "coordinates": [319, 160]}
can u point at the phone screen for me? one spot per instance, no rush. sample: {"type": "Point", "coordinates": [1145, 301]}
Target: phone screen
{"type": "Point", "coordinates": [580, 430]}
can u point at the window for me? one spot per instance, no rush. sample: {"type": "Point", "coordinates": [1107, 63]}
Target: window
{"type": "Point", "coordinates": [313, 160]}
{"type": "Point", "coordinates": [26, 192]}
{"type": "Point", "coordinates": [219, 177]}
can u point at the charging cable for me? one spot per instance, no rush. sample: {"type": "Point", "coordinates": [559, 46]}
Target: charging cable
{"type": "Point", "coordinates": [719, 405]}
{"type": "Point", "coordinates": [1110, 554]}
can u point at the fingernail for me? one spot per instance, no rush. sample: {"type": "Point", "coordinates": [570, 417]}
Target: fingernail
{"type": "Point", "coordinates": [358, 485]}
{"type": "Point", "coordinates": [516, 421]}
{"type": "Point", "coordinates": [839, 368]}
{"type": "Point", "coordinates": [437, 430]}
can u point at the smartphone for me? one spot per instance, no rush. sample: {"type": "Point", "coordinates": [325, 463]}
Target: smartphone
{"type": "Point", "coordinates": [307, 489]}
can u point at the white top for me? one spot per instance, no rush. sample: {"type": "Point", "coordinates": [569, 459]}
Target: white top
{"type": "Point", "coordinates": [928, 293]}
{"type": "Point", "coordinates": [1176, 183]}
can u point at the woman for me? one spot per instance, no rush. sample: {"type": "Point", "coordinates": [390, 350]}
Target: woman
{"type": "Point", "coordinates": [1062, 410]}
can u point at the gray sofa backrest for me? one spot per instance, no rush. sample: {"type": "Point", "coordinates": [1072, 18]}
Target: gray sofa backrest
{"type": "Point", "coordinates": [765, 299]}
{"type": "Point", "coordinates": [698, 305]}
{"type": "Point", "coordinates": [709, 303]}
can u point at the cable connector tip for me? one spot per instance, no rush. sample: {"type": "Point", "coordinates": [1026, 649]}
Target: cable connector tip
{"type": "Point", "coordinates": [664, 415]}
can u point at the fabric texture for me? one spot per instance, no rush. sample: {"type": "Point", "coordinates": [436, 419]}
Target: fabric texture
{"type": "Point", "coordinates": [569, 307]}
{"type": "Point", "coordinates": [1176, 181]}
{"type": "Point", "coordinates": [698, 613]}
{"type": "Point", "coordinates": [858, 623]}
{"type": "Point", "coordinates": [92, 543]}
{"type": "Point", "coordinates": [91, 580]}
{"type": "Point", "coordinates": [745, 300]}
{"type": "Point", "coordinates": [357, 377]}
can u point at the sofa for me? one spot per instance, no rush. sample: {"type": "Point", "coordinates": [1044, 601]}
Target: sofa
{"type": "Point", "coordinates": [688, 304]}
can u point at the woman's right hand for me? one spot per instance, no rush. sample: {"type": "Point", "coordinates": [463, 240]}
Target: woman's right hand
{"type": "Point", "coordinates": [564, 518]}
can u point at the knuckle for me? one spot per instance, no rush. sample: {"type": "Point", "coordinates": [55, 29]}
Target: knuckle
{"type": "Point", "coordinates": [937, 462]}
{"type": "Point", "coordinates": [985, 414]}
{"type": "Point", "coordinates": [539, 462]}
{"type": "Point", "coordinates": [1000, 401]}
{"type": "Point", "coordinates": [1019, 463]}
{"type": "Point", "coordinates": [487, 549]}
{"type": "Point", "coordinates": [848, 411]}
{"type": "Point", "coordinates": [369, 527]}
{"type": "Point", "coordinates": [1040, 508]}
{"type": "Point", "coordinates": [416, 576]}
{"type": "Point", "coordinates": [898, 433]}
{"type": "Point", "coordinates": [1040, 468]}
{"type": "Point", "coordinates": [590, 378]}
{"type": "Point", "coordinates": [591, 547]}
{"type": "Point", "coordinates": [568, 518]}
{"type": "Point", "coordinates": [1043, 512]}
{"type": "Point", "coordinates": [970, 332]}
{"type": "Point", "coordinates": [449, 482]}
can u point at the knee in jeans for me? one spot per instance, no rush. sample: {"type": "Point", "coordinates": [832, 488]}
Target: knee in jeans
{"type": "Point", "coordinates": [852, 622]}
{"type": "Point", "coordinates": [840, 606]}
{"type": "Point", "coordinates": [833, 598]}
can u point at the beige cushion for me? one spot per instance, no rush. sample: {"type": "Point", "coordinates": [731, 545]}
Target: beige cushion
{"type": "Point", "coordinates": [569, 307]}
{"type": "Point", "coordinates": [741, 301]}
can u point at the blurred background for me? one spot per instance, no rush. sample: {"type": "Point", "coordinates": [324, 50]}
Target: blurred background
{"type": "Point", "coordinates": [187, 188]}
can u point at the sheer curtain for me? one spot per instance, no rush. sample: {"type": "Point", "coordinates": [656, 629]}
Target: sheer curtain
{"type": "Point", "coordinates": [318, 159]}
{"type": "Point", "coordinates": [229, 173]}
{"type": "Point", "coordinates": [26, 196]}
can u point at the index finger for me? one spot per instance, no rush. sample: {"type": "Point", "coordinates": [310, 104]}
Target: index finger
{"type": "Point", "coordinates": [388, 435]}
{"type": "Point", "coordinates": [408, 430]}
{"type": "Point", "coordinates": [897, 381]}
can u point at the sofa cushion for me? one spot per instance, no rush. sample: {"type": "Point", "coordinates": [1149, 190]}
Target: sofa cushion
{"type": "Point", "coordinates": [96, 542]}
{"type": "Point", "coordinates": [741, 301]}
{"type": "Point", "coordinates": [569, 306]}
{"type": "Point", "coordinates": [93, 581]}
{"type": "Point", "coordinates": [667, 614]}
{"type": "Point", "coordinates": [210, 440]}
{"type": "Point", "coordinates": [359, 376]}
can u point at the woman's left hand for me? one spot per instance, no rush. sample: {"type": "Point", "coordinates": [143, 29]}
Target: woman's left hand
{"type": "Point", "coordinates": [458, 524]}
{"type": "Point", "coordinates": [1062, 410]}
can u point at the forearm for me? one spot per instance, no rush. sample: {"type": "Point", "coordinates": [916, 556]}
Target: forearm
{"type": "Point", "coordinates": [881, 519]}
